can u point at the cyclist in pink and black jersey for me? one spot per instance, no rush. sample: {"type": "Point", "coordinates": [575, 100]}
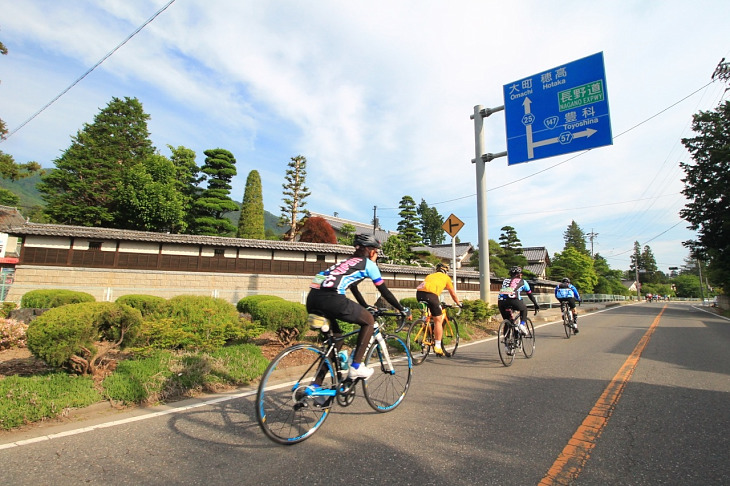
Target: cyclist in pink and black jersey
{"type": "Point", "coordinates": [510, 297]}
{"type": "Point", "coordinates": [327, 297]}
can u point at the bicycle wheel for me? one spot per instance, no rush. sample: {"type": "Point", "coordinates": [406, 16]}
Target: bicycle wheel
{"type": "Point", "coordinates": [506, 342]}
{"type": "Point", "coordinates": [388, 385]}
{"type": "Point", "coordinates": [528, 340]}
{"type": "Point", "coordinates": [450, 338]}
{"type": "Point", "coordinates": [419, 340]}
{"type": "Point", "coordinates": [285, 410]}
{"type": "Point", "coordinates": [566, 322]}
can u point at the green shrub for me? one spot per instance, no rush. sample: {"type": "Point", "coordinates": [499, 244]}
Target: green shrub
{"type": "Point", "coordinates": [78, 336]}
{"type": "Point", "coordinates": [287, 319]}
{"type": "Point", "coordinates": [147, 304]}
{"type": "Point", "coordinates": [247, 305]}
{"type": "Point", "coordinates": [7, 308]}
{"type": "Point", "coordinates": [413, 304]}
{"type": "Point", "coordinates": [476, 311]}
{"type": "Point", "coordinates": [193, 322]}
{"type": "Point", "coordinates": [48, 298]}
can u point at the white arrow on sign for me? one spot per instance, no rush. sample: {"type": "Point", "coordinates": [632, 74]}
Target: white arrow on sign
{"type": "Point", "coordinates": [563, 138]}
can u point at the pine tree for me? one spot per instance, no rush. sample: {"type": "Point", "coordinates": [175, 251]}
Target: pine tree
{"type": "Point", "coordinates": [295, 192]}
{"type": "Point", "coordinates": [409, 223]}
{"type": "Point", "coordinates": [431, 221]}
{"type": "Point", "coordinates": [215, 201]}
{"type": "Point", "coordinates": [574, 237]}
{"type": "Point", "coordinates": [251, 224]}
{"type": "Point", "coordinates": [707, 187]}
{"type": "Point", "coordinates": [187, 175]}
{"type": "Point", "coordinates": [83, 188]}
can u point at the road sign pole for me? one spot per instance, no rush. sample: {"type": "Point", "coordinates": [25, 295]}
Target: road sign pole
{"type": "Point", "coordinates": [480, 113]}
{"type": "Point", "coordinates": [453, 259]}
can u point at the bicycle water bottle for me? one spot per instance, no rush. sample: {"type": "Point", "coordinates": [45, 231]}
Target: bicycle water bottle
{"type": "Point", "coordinates": [344, 364]}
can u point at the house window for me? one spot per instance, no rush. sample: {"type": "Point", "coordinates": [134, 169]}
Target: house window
{"type": "Point", "coordinates": [95, 246]}
{"type": "Point", "coordinates": [320, 258]}
{"type": "Point", "coordinates": [219, 252]}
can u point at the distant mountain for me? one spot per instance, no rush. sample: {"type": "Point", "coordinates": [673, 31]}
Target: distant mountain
{"type": "Point", "coordinates": [25, 189]}
{"type": "Point", "coordinates": [30, 197]}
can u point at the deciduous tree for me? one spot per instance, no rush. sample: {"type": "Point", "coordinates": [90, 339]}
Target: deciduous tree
{"type": "Point", "coordinates": [317, 230]}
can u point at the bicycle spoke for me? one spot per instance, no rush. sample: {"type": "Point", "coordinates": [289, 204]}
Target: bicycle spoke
{"type": "Point", "coordinates": [388, 385]}
{"type": "Point", "coordinates": [285, 409]}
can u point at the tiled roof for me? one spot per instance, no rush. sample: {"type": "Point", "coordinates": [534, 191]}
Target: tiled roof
{"type": "Point", "coordinates": [444, 251]}
{"type": "Point", "coordinates": [536, 254]}
{"type": "Point", "coordinates": [10, 216]}
{"type": "Point", "coordinates": [38, 229]}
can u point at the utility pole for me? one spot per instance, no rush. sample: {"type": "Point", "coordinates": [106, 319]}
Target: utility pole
{"type": "Point", "coordinates": [480, 113]}
{"type": "Point", "coordinates": [375, 218]}
{"type": "Point", "coordinates": [592, 235]}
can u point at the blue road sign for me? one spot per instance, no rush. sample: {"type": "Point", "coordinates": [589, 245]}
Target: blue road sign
{"type": "Point", "coordinates": [558, 111]}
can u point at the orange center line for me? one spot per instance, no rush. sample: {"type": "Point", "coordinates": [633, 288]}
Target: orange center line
{"type": "Point", "coordinates": [571, 460]}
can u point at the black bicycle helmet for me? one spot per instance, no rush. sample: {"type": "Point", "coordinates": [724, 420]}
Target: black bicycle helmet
{"type": "Point", "coordinates": [515, 271]}
{"type": "Point", "coordinates": [442, 267]}
{"type": "Point", "coordinates": [364, 239]}
{"type": "Point", "coordinates": [566, 280]}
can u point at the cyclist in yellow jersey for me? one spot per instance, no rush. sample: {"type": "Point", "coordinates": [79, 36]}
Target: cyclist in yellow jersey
{"type": "Point", "coordinates": [429, 291]}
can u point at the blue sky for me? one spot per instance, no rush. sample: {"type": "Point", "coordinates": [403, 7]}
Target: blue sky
{"type": "Point", "coordinates": [378, 96]}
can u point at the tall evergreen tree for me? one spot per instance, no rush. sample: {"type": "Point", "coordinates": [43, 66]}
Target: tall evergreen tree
{"type": "Point", "coordinates": [348, 234]}
{"type": "Point", "coordinates": [251, 224]}
{"type": "Point", "coordinates": [409, 222]}
{"type": "Point", "coordinates": [574, 237]}
{"type": "Point", "coordinates": [83, 189]}
{"type": "Point", "coordinates": [511, 248]}
{"type": "Point", "coordinates": [431, 221]}
{"type": "Point", "coordinates": [707, 187]}
{"type": "Point", "coordinates": [295, 193]}
{"type": "Point", "coordinates": [187, 175]}
{"type": "Point", "coordinates": [215, 201]}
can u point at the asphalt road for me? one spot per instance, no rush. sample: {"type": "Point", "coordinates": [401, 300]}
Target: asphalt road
{"type": "Point", "coordinates": [640, 396]}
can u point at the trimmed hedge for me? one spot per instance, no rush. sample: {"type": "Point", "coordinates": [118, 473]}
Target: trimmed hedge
{"type": "Point", "coordinates": [68, 337]}
{"type": "Point", "coordinates": [248, 305]}
{"type": "Point", "coordinates": [48, 298]}
{"type": "Point", "coordinates": [193, 322]}
{"type": "Point", "coordinates": [287, 319]}
{"type": "Point", "coordinates": [147, 304]}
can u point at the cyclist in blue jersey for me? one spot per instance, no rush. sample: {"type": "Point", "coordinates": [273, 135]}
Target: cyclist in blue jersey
{"type": "Point", "coordinates": [510, 297]}
{"type": "Point", "coordinates": [327, 297]}
{"type": "Point", "coordinates": [566, 292]}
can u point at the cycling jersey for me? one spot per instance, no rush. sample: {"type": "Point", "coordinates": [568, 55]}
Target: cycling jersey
{"type": "Point", "coordinates": [566, 291]}
{"type": "Point", "coordinates": [512, 288]}
{"type": "Point", "coordinates": [340, 276]}
{"type": "Point", "coordinates": [435, 283]}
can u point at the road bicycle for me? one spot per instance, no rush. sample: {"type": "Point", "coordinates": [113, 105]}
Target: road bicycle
{"type": "Point", "coordinates": [567, 319]}
{"type": "Point", "coordinates": [421, 338]}
{"type": "Point", "coordinates": [302, 383]}
{"type": "Point", "coordinates": [511, 340]}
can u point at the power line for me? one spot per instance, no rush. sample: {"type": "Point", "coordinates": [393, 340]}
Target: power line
{"type": "Point", "coordinates": [78, 80]}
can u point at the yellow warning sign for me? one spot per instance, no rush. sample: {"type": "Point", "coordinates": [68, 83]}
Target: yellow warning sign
{"type": "Point", "coordinates": [452, 225]}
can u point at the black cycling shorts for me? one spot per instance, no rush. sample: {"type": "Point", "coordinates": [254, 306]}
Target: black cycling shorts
{"type": "Point", "coordinates": [336, 306]}
{"type": "Point", "coordinates": [569, 300]}
{"type": "Point", "coordinates": [434, 304]}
